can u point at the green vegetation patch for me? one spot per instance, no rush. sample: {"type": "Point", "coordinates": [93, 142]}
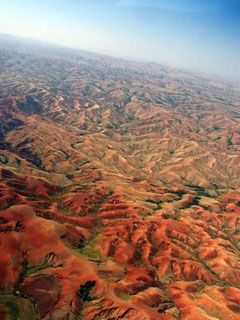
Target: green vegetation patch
{"type": "Point", "coordinates": [84, 291]}
{"type": "Point", "coordinates": [180, 193]}
{"type": "Point", "coordinates": [48, 263]}
{"type": "Point", "coordinates": [200, 190]}
{"type": "Point", "coordinates": [89, 251]}
{"type": "Point", "coordinates": [194, 202]}
{"type": "Point", "coordinates": [126, 297]}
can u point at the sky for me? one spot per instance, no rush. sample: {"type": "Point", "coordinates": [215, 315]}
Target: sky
{"type": "Point", "coordinates": [196, 35]}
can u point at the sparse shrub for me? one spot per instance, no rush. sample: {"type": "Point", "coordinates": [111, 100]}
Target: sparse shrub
{"type": "Point", "coordinates": [85, 290]}
{"type": "Point", "coordinates": [126, 297]}
{"type": "Point", "coordinates": [69, 176]}
{"type": "Point", "coordinates": [180, 193]}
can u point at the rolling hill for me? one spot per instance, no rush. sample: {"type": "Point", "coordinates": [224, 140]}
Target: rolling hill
{"type": "Point", "coordinates": [119, 188]}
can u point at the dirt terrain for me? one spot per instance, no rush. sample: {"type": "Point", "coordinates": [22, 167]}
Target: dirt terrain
{"type": "Point", "coordinates": [119, 188]}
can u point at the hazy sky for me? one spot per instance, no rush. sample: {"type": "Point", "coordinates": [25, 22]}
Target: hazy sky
{"type": "Point", "coordinates": [201, 35]}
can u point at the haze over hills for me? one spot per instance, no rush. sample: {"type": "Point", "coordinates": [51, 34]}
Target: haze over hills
{"type": "Point", "coordinates": [120, 188]}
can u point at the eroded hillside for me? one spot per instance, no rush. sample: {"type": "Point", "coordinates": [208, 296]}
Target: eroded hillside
{"type": "Point", "coordinates": [119, 189]}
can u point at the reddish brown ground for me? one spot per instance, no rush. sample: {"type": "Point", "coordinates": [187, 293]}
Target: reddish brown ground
{"type": "Point", "coordinates": [142, 264]}
{"type": "Point", "coordinates": [119, 190]}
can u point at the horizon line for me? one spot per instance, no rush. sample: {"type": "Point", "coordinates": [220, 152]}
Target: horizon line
{"type": "Point", "coordinates": [128, 58]}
